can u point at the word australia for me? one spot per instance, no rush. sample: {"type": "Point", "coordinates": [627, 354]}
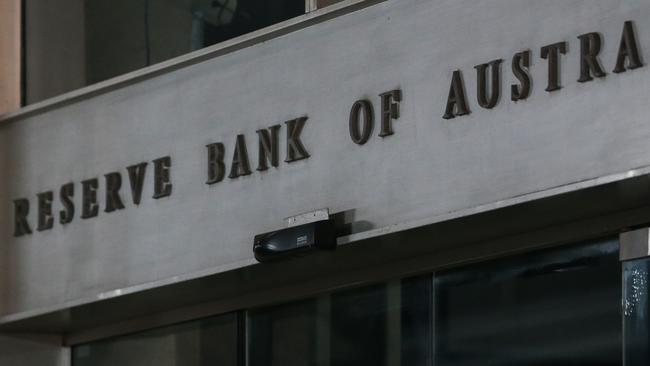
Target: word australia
{"type": "Point", "coordinates": [489, 74]}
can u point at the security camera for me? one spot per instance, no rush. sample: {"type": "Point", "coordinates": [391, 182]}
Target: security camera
{"type": "Point", "coordinates": [295, 241]}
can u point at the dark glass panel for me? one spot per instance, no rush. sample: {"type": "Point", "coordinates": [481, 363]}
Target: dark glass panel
{"type": "Point", "coordinates": [359, 327]}
{"type": "Point", "coordinates": [559, 307]}
{"type": "Point", "coordinates": [376, 325]}
{"type": "Point", "coordinates": [283, 335]}
{"type": "Point", "coordinates": [125, 35]}
{"type": "Point", "coordinates": [636, 326]}
{"type": "Point", "coordinates": [417, 321]}
{"type": "Point", "coordinates": [207, 342]}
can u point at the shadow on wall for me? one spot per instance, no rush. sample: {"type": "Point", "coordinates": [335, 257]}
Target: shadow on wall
{"type": "Point", "coordinates": [345, 223]}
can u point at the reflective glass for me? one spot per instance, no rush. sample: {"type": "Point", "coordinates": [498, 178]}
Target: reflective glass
{"type": "Point", "coordinates": [559, 307]}
{"type": "Point", "coordinates": [636, 325]}
{"type": "Point", "coordinates": [73, 43]}
{"type": "Point", "coordinates": [124, 35]}
{"type": "Point", "coordinates": [385, 324]}
{"type": "Point", "coordinates": [208, 342]}
{"type": "Point", "coordinates": [283, 335]}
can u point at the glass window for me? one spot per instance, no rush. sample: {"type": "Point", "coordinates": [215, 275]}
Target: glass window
{"type": "Point", "coordinates": [361, 323]}
{"type": "Point", "coordinates": [385, 324]}
{"type": "Point", "coordinates": [636, 324]}
{"type": "Point", "coordinates": [207, 342]}
{"type": "Point", "coordinates": [284, 335]}
{"type": "Point", "coordinates": [73, 43]}
{"type": "Point", "coordinates": [124, 35]}
{"type": "Point", "coordinates": [557, 307]}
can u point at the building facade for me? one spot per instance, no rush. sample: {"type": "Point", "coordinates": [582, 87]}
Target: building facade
{"type": "Point", "coordinates": [484, 166]}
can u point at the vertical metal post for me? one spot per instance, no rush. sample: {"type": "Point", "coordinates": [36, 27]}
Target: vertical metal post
{"type": "Point", "coordinates": [394, 323]}
{"type": "Point", "coordinates": [311, 5]}
{"type": "Point", "coordinates": [323, 330]}
{"type": "Point", "coordinates": [242, 338]}
{"type": "Point", "coordinates": [635, 257]}
{"type": "Point", "coordinates": [432, 355]}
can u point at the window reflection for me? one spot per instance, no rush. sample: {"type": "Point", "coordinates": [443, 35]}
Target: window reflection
{"type": "Point", "coordinates": [88, 41]}
{"type": "Point", "coordinates": [557, 307]}
{"type": "Point", "coordinates": [636, 275]}
{"type": "Point", "coordinates": [123, 35]}
{"type": "Point", "coordinates": [207, 342]}
{"type": "Point", "coordinates": [283, 335]}
{"type": "Point", "coordinates": [384, 324]}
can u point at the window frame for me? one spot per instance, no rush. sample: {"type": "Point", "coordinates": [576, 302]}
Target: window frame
{"type": "Point", "coordinates": [309, 18]}
{"type": "Point", "coordinates": [244, 317]}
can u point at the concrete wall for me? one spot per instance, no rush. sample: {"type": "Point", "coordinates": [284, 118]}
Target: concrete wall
{"type": "Point", "coordinates": [428, 168]}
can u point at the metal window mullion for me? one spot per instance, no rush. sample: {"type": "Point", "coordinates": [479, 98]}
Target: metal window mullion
{"type": "Point", "coordinates": [634, 247]}
{"type": "Point", "coordinates": [394, 323]}
{"type": "Point", "coordinates": [432, 334]}
{"type": "Point", "coordinates": [243, 334]}
{"type": "Point", "coordinates": [323, 330]}
{"type": "Point", "coordinates": [311, 5]}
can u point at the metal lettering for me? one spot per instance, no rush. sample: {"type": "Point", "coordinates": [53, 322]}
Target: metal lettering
{"type": "Point", "coordinates": [45, 219]}
{"type": "Point", "coordinates": [240, 164]}
{"type": "Point", "coordinates": [136, 181]}
{"type": "Point", "coordinates": [295, 149]}
{"type": "Point", "coordinates": [268, 147]}
{"type": "Point", "coordinates": [390, 110]}
{"type": "Point", "coordinates": [628, 50]}
{"type": "Point", "coordinates": [495, 84]}
{"type": "Point", "coordinates": [216, 166]}
{"type": "Point", "coordinates": [360, 135]}
{"type": "Point", "coordinates": [21, 211]}
{"type": "Point", "coordinates": [520, 66]}
{"type": "Point", "coordinates": [590, 46]}
{"type": "Point", "coordinates": [66, 193]}
{"type": "Point", "coordinates": [89, 207]}
{"type": "Point", "coordinates": [162, 180]}
{"type": "Point", "coordinates": [456, 102]}
{"type": "Point", "coordinates": [113, 186]}
{"type": "Point", "coordinates": [552, 53]}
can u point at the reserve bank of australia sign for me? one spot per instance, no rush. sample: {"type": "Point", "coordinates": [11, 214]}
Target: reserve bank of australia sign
{"type": "Point", "coordinates": [283, 141]}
